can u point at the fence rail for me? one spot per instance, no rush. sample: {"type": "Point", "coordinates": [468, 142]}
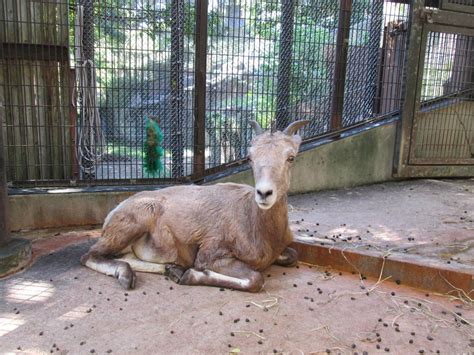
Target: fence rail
{"type": "Point", "coordinates": [160, 91]}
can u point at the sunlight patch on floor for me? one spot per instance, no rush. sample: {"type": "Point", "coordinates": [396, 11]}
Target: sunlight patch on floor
{"type": "Point", "coordinates": [77, 313]}
{"type": "Point", "coordinates": [9, 322]}
{"type": "Point", "coordinates": [27, 291]}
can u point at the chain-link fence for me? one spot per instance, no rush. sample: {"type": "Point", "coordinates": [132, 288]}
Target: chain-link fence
{"type": "Point", "coordinates": [129, 113]}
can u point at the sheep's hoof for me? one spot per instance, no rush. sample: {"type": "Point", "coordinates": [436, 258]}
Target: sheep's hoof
{"type": "Point", "coordinates": [126, 276]}
{"type": "Point", "coordinates": [174, 272]}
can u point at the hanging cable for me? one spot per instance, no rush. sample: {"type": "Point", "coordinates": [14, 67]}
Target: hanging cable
{"type": "Point", "coordinates": [89, 136]}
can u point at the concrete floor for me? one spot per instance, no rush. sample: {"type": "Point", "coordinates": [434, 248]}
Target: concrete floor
{"type": "Point", "coordinates": [58, 306]}
{"type": "Point", "coordinates": [431, 218]}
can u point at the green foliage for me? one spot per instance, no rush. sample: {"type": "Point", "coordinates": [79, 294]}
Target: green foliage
{"type": "Point", "coordinates": [153, 150]}
{"type": "Point", "coordinates": [124, 151]}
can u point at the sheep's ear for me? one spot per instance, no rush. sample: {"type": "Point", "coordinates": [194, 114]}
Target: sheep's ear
{"type": "Point", "coordinates": [295, 126]}
{"type": "Point", "coordinates": [297, 139]}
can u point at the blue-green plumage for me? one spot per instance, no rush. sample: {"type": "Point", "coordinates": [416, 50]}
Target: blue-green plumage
{"type": "Point", "coordinates": [153, 150]}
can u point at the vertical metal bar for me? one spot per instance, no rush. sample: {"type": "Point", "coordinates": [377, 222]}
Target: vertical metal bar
{"type": "Point", "coordinates": [284, 64]}
{"type": "Point", "coordinates": [342, 45]}
{"type": "Point", "coordinates": [177, 86]}
{"type": "Point", "coordinates": [376, 33]}
{"type": "Point", "coordinates": [4, 223]}
{"type": "Point", "coordinates": [200, 88]}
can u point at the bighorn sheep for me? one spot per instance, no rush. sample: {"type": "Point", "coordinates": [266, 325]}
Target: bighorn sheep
{"type": "Point", "coordinates": [220, 235]}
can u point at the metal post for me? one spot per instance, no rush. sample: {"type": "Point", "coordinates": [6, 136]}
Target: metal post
{"type": "Point", "coordinates": [200, 88]}
{"type": "Point", "coordinates": [177, 86]}
{"type": "Point", "coordinates": [284, 65]}
{"type": "Point", "coordinates": [4, 216]}
{"type": "Point", "coordinates": [342, 45]}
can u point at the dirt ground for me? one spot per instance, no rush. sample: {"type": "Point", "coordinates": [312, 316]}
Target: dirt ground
{"type": "Point", "coordinates": [57, 306]}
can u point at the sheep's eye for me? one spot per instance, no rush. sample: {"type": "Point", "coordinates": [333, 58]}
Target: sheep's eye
{"type": "Point", "coordinates": [291, 159]}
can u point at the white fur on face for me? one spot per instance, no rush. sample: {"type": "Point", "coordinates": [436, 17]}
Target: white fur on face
{"type": "Point", "coordinates": [264, 185]}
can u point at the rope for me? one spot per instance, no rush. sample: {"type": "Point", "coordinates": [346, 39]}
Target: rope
{"type": "Point", "coordinates": [89, 136]}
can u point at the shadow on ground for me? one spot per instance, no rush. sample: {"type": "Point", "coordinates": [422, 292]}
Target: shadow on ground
{"type": "Point", "coordinates": [57, 306]}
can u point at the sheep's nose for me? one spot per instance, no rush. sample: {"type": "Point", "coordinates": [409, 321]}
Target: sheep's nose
{"type": "Point", "coordinates": [264, 194]}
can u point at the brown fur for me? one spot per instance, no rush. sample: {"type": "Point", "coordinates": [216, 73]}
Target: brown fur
{"type": "Point", "coordinates": [204, 230]}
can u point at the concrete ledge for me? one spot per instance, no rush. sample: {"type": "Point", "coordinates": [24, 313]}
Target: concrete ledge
{"type": "Point", "coordinates": [14, 256]}
{"type": "Point", "coordinates": [62, 209]}
{"type": "Point", "coordinates": [415, 271]}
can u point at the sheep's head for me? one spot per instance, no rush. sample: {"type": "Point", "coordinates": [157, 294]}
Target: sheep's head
{"type": "Point", "coordinates": [271, 156]}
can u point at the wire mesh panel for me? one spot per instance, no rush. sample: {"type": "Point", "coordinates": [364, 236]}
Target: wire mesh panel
{"type": "Point", "coordinates": [393, 56]}
{"type": "Point", "coordinates": [377, 46]}
{"type": "Point", "coordinates": [143, 51]}
{"type": "Point", "coordinates": [276, 60]}
{"type": "Point", "coordinates": [444, 128]}
{"type": "Point", "coordinates": [241, 71]}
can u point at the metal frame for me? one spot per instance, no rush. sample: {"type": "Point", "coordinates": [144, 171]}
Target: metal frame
{"type": "Point", "coordinates": [422, 23]}
{"type": "Point", "coordinates": [446, 5]}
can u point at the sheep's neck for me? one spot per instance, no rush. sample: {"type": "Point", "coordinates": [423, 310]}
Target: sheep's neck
{"type": "Point", "coordinates": [274, 221]}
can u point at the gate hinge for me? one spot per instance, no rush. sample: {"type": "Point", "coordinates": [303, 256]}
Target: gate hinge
{"type": "Point", "coordinates": [426, 15]}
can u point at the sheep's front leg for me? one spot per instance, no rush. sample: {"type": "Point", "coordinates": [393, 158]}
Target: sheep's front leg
{"type": "Point", "coordinates": [289, 257]}
{"type": "Point", "coordinates": [228, 273]}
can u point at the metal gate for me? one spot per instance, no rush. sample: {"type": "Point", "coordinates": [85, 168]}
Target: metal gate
{"type": "Point", "coordinates": [437, 137]}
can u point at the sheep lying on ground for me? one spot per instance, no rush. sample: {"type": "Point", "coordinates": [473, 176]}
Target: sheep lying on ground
{"type": "Point", "coordinates": [221, 235]}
